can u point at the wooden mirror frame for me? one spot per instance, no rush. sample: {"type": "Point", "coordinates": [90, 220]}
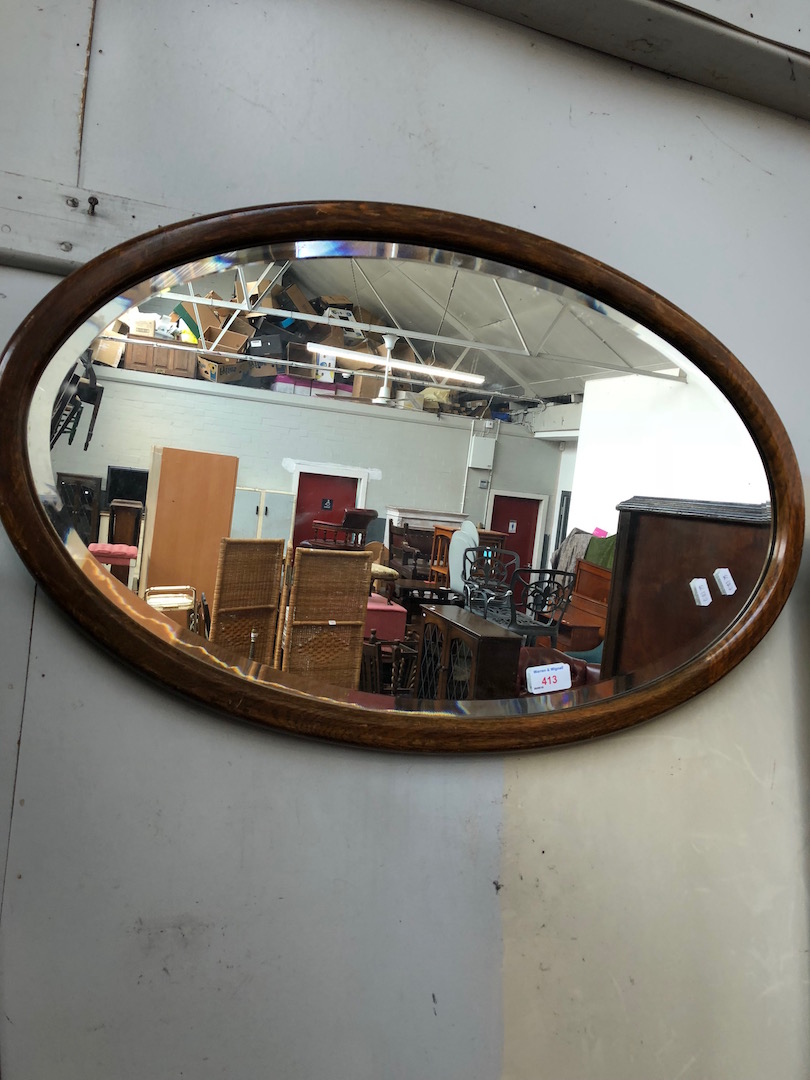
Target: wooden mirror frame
{"type": "Point", "coordinates": [257, 695]}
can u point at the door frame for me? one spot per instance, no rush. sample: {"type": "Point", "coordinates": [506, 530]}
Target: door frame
{"type": "Point", "coordinates": [326, 468]}
{"type": "Point", "coordinates": [542, 512]}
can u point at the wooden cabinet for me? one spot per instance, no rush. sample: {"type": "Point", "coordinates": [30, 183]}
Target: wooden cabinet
{"type": "Point", "coordinates": [189, 506]}
{"type": "Point", "coordinates": [582, 625]}
{"type": "Point", "coordinates": [160, 359]}
{"type": "Point", "coordinates": [262, 514]}
{"type": "Point", "coordinates": [653, 622]}
{"type": "Point", "coordinates": [465, 657]}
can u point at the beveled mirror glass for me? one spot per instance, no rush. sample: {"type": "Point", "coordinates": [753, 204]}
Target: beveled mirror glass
{"type": "Point", "coordinates": [415, 431]}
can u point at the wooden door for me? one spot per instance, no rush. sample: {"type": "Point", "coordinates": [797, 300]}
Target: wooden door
{"type": "Point", "coordinates": [510, 509]}
{"type": "Point", "coordinates": [321, 498]}
{"type": "Point", "coordinates": [192, 513]}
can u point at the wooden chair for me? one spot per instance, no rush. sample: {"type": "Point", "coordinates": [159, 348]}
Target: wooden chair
{"type": "Point", "coordinates": [322, 635]}
{"type": "Point", "coordinates": [348, 535]}
{"type": "Point", "coordinates": [410, 551]}
{"type": "Point", "coordinates": [390, 667]}
{"type": "Point", "coordinates": [383, 576]}
{"type": "Point", "coordinates": [244, 613]}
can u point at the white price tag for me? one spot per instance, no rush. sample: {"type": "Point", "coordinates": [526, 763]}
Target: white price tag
{"type": "Point", "coordinates": [725, 582]}
{"type": "Point", "coordinates": [700, 591]}
{"type": "Point", "coordinates": [548, 677]}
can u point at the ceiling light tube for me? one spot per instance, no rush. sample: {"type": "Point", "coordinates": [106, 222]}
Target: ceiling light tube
{"type": "Point", "coordinates": [403, 365]}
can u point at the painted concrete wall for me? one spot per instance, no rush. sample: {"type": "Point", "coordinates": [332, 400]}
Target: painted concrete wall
{"type": "Point", "coordinates": [660, 439]}
{"type": "Point", "coordinates": [785, 22]}
{"type": "Point", "coordinates": [422, 460]}
{"type": "Point", "coordinates": [187, 895]}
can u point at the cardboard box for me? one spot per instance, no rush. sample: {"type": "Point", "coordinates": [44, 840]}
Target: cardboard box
{"type": "Point", "coordinates": [209, 317]}
{"type": "Point", "coordinates": [363, 315]}
{"type": "Point", "coordinates": [240, 326]}
{"type": "Point", "coordinates": [406, 399]}
{"type": "Point", "coordinates": [292, 299]}
{"type": "Point", "coordinates": [144, 325]}
{"type": "Point", "coordinates": [348, 321]}
{"type": "Point", "coordinates": [197, 321]}
{"type": "Point", "coordinates": [368, 386]}
{"type": "Point", "coordinates": [367, 359]}
{"type": "Point", "coordinates": [325, 369]}
{"type": "Point", "coordinates": [403, 351]}
{"type": "Point", "coordinates": [255, 290]}
{"type": "Point", "coordinates": [109, 348]}
{"type": "Point", "coordinates": [226, 340]}
{"type": "Point", "coordinates": [327, 335]}
{"type": "Point", "coordinates": [334, 302]}
{"type": "Point", "coordinates": [257, 369]}
{"type": "Point", "coordinates": [291, 384]}
{"type": "Point", "coordinates": [211, 370]}
{"type": "Point", "coordinates": [300, 355]}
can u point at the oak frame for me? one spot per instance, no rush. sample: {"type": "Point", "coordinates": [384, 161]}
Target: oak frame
{"type": "Point", "coordinates": [264, 697]}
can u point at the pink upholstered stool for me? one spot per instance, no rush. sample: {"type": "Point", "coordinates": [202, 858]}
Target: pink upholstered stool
{"type": "Point", "coordinates": [386, 618]}
{"type": "Point", "coordinates": [119, 558]}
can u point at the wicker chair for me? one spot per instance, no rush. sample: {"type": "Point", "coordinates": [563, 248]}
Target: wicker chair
{"type": "Point", "coordinates": [323, 632]}
{"type": "Point", "coordinates": [246, 596]}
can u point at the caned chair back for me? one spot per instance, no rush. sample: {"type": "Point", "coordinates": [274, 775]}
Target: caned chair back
{"type": "Point", "coordinates": [326, 615]}
{"type": "Point", "coordinates": [244, 613]}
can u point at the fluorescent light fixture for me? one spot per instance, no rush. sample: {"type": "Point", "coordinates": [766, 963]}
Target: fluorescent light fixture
{"type": "Point", "coordinates": [400, 365]}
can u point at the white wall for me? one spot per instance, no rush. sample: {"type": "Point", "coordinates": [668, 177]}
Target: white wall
{"type": "Point", "coordinates": [641, 436]}
{"type": "Point", "coordinates": [184, 894]}
{"type": "Point", "coordinates": [421, 459]}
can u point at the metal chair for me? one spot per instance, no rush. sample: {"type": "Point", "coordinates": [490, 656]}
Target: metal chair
{"type": "Point", "coordinates": [536, 603]}
{"type": "Point", "coordinates": [487, 577]}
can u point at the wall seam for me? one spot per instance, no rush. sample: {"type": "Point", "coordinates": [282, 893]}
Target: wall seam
{"type": "Point", "coordinates": [83, 99]}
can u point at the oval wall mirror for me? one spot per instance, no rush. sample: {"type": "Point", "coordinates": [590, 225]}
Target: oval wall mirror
{"type": "Point", "coordinates": [395, 477]}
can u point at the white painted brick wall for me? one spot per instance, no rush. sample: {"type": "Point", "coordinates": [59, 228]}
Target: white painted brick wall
{"type": "Point", "coordinates": [422, 459]}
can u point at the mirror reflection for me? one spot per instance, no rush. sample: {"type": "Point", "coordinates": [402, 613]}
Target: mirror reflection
{"type": "Point", "coordinates": [403, 471]}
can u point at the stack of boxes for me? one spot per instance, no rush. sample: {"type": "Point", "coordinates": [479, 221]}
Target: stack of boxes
{"type": "Point", "coordinates": [267, 351]}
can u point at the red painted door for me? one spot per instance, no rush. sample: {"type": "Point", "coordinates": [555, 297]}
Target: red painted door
{"type": "Point", "coordinates": [518, 519]}
{"type": "Point", "coordinates": [321, 498]}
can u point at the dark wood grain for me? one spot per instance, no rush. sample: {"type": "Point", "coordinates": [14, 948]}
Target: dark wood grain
{"type": "Point", "coordinates": [233, 686]}
{"type": "Point", "coordinates": [653, 622]}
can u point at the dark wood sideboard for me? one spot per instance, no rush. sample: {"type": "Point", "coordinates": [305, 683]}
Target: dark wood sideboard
{"type": "Point", "coordinates": [465, 657]}
{"type": "Point", "coordinates": [653, 623]}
